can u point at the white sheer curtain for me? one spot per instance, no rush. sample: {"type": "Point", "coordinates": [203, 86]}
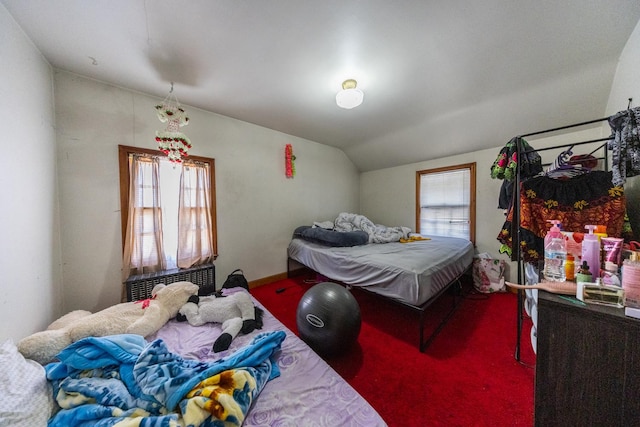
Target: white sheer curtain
{"type": "Point", "coordinates": [195, 239]}
{"type": "Point", "coordinates": [143, 249]}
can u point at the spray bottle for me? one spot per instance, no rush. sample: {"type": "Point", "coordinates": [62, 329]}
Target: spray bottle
{"type": "Point", "coordinates": [591, 251]}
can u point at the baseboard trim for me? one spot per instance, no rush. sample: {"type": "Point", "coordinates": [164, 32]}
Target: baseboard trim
{"type": "Point", "coordinates": [267, 280]}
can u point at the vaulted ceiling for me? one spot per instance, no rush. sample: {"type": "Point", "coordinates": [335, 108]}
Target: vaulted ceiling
{"type": "Point", "coordinates": [440, 77]}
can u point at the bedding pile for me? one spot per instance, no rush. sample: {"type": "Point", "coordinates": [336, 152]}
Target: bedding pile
{"type": "Point", "coordinates": [378, 233]}
{"type": "Point", "coordinates": [26, 395]}
{"type": "Point", "coordinates": [126, 381]}
{"type": "Point", "coordinates": [308, 391]}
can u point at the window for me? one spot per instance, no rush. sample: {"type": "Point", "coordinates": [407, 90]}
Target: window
{"type": "Point", "coordinates": [171, 209]}
{"type": "Point", "coordinates": [446, 201]}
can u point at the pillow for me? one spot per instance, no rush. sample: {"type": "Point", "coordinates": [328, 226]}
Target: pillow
{"type": "Point", "coordinates": [331, 237]}
{"type": "Point", "coordinates": [27, 396]}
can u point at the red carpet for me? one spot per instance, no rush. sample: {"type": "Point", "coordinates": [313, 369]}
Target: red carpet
{"type": "Point", "coordinates": [466, 377]}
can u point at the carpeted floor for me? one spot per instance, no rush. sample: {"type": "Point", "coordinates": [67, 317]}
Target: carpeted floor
{"type": "Point", "coordinates": [466, 377]}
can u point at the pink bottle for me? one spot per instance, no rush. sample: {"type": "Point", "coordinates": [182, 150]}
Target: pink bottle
{"type": "Point", "coordinates": [554, 232]}
{"type": "Point", "coordinates": [591, 251]}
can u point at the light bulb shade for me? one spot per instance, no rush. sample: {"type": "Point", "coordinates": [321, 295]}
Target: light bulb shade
{"type": "Point", "coordinates": [349, 97]}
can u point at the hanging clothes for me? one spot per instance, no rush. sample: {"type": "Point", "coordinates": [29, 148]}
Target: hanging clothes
{"type": "Point", "coordinates": [504, 167]}
{"type": "Point", "coordinates": [625, 144]}
{"type": "Point", "coordinates": [561, 161]}
{"type": "Point", "coordinates": [585, 199]}
{"type": "Point", "coordinates": [565, 167]}
{"type": "Point", "coordinates": [506, 164]}
{"type": "Point", "coordinates": [505, 198]}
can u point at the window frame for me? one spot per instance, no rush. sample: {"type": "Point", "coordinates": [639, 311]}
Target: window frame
{"type": "Point", "coordinates": [472, 193]}
{"type": "Point", "coordinates": [123, 163]}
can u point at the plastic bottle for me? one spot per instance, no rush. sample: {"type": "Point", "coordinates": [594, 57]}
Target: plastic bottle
{"type": "Point", "coordinates": [555, 255]}
{"type": "Point", "coordinates": [600, 231]}
{"type": "Point", "coordinates": [591, 251]}
{"type": "Point", "coordinates": [553, 232]}
{"type": "Point", "coordinates": [570, 268]}
{"type": "Point", "coordinates": [610, 274]}
{"type": "Point", "coordinates": [631, 281]}
{"type": "Point", "coordinates": [584, 275]}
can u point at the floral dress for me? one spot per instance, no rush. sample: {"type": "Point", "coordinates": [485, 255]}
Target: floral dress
{"type": "Point", "coordinates": [590, 198]}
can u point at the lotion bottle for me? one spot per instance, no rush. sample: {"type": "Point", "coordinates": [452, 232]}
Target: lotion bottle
{"type": "Point", "coordinates": [591, 251]}
{"type": "Point", "coordinates": [631, 280]}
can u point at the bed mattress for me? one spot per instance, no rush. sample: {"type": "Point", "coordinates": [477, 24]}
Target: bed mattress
{"type": "Point", "coordinates": [307, 392]}
{"type": "Point", "coordinates": [410, 272]}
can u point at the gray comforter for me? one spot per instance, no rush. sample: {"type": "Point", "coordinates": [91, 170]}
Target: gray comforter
{"type": "Point", "coordinates": [377, 233]}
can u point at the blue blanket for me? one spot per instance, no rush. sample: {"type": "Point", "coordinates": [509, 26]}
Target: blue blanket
{"type": "Point", "coordinates": [124, 380]}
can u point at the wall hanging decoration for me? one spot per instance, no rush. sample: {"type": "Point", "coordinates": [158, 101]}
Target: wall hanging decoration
{"type": "Point", "coordinates": [290, 166]}
{"type": "Point", "coordinates": [171, 141]}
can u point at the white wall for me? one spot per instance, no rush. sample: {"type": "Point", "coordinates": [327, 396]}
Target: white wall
{"type": "Point", "coordinates": [30, 287]}
{"type": "Point", "coordinates": [626, 84]}
{"type": "Point", "coordinates": [387, 196]}
{"type": "Point", "coordinates": [258, 207]}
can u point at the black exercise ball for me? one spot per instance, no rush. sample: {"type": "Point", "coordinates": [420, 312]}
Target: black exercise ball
{"type": "Point", "coordinates": [328, 319]}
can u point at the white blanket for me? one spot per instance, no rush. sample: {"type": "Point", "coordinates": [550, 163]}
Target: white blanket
{"type": "Point", "coordinates": [377, 233]}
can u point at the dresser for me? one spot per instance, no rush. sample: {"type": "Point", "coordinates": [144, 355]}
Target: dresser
{"type": "Point", "coordinates": [587, 365]}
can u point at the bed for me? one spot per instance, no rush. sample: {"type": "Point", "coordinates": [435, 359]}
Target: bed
{"type": "Point", "coordinates": [299, 389]}
{"type": "Point", "coordinates": [413, 270]}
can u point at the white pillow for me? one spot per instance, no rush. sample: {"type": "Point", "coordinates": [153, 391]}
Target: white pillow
{"type": "Point", "coordinates": [26, 395]}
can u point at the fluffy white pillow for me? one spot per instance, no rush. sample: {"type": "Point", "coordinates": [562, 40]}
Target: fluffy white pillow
{"type": "Point", "coordinates": [26, 395]}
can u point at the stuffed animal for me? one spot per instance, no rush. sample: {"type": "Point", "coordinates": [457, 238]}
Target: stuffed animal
{"type": "Point", "coordinates": [138, 317]}
{"type": "Point", "coordinates": [236, 312]}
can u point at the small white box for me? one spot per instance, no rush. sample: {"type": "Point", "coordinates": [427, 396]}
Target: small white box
{"type": "Point", "coordinates": [632, 312]}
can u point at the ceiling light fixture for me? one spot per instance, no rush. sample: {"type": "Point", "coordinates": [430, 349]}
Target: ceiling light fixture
{"type": "Point", "coordinates": [349, 97]}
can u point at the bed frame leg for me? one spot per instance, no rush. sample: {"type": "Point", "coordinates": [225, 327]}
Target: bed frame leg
{"type": "Point", "coordinates": [456, 302]}
{"type": "Point", "coordinates": [422, 345]}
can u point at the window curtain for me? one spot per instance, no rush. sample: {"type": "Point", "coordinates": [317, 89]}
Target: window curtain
{"type": "Point", "coordinates": [195, 238]}
{"type": "Point", "coordinates": [445, 200]}
{"type": "Point", "coordinates": [143, 251]}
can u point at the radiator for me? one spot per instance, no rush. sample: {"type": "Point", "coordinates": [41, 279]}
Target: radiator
{"type": "Point", "coordinates": [140, 286]}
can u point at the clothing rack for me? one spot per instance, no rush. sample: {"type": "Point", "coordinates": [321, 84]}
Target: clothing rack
{"type": "Point", "coordinates": [516, 204]}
